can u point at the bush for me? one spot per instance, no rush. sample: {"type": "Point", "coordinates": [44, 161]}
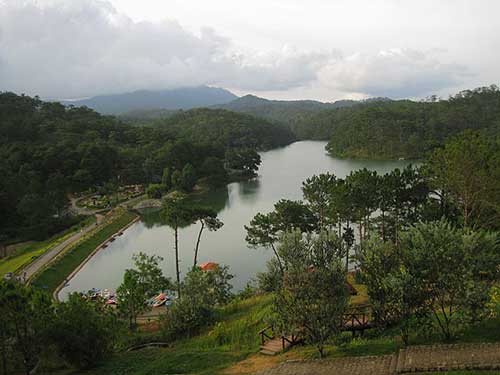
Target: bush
{"type": "Point", "coordinates": [84, 331]}
{"type": "Point", "coordinates": [270, 280]}
{"type": "Point", "coordinates": [155, 191]}
{"type": "Point", "coordinates": [186, 318]}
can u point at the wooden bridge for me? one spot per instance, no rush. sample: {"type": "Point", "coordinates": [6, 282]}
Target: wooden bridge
{"type": "Point", "coordinates": [356, 319]}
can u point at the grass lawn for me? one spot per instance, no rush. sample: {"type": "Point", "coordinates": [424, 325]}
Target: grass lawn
{"type": "Point", "coordinates": [55, 274]}
{"type": "Point", "coordinates": [27, 253]}
{"type": "Point", "coordinates": [230, 340]}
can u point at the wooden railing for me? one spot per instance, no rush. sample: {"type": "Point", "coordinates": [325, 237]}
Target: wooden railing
{"type": "Point", "coordinates": [357, 318]}
{"type": "Point", "coordinates": [265, 333]}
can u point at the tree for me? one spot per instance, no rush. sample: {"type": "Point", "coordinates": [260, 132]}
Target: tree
{"type": "Point", "coordinates": [434, 272]}
{"type": "Point", "coordinates": [313, 296]}
{"type": "Point", "coordinates": [177, 181]}
{"type": "Point", "coordinates": [84, 331]}
{"type": "Point", "coordinates": [188, 177]}
{"type": "Point", "coordinates": [444, 261]}
{"type": "Point", "coordinates": [177, 213]}
{"type": "Point", "coordinates": [202, 291]}
{"type": "Point", "coordinates": [27, 315]}
{"type": "Point", "coordinates": [265, 229]}
{"type": "Point", "coordinates": [262, 231]}
{"type": "Point", "coordinates": [395, 294]}
{"type": "Point", "coordinates": [467, 170]}
{"type": "Point", "coordinates": [131, 300]}
{"type": "Point", "coordinates": [214, 171]}
{"type": "Point", "coordinates": [245, 160]}
{"type": "Point", "coordinates": [166, 179]}
{"type": "Point", "coordinates": [207, 217]}
{"type": "Point", "coordinates": [155, 191]}
{"type": "Point", "coordinates": [140, 284]}
{"type": "Point", "coordinates": [316, 191]}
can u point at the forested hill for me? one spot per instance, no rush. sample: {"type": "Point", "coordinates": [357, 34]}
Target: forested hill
{"type": "Point", "coordinates": [282, 112]}
{"type": "Point", "coordinates": [394, 129]}
{"type": "Point", "coordinates": [229, 129]}
{"type": "Point", "coordinates": [48, 151]}
{"type": "Point", "coordinates": [174, 99]}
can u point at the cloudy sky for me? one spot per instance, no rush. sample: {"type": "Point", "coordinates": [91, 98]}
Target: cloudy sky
{"type": "Point", "coordinates": [285, 49]}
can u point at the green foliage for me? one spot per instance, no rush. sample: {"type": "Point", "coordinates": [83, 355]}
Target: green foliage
{"type": "Point", "coordinates": [25, 324]}
{"type": "Point", "coordinates": [244, 161]}
{"type": "Point", "coordinates": [436, 271]}
{"type": "Point", "coordinates": [48, 151]}
{"type": "Point", "coordinates": [465, 173]}
{"type": "Point", "coordinates": [50, 278]}
{"type": "Point", "coordinates": [84, 331]}
{"type": "Point", "coordinates": [201, 292]}
{"type": "Point", "coordinates": [226, 129]}
{"type": "Point", "coordinates": [139, 284]}
{"type": "Point", "coordinates": [394, 129]}
{"type": "Point", "coordinates": [313, 296]}
{"type": "Point", "coordinates": [155, 191]}
{"type": "Point", "coordinates": [188, 177]}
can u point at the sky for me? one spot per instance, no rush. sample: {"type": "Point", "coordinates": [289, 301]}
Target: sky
{"type": "Point", "coordinates": [281, 49]}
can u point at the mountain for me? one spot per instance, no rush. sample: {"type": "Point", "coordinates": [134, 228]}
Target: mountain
{"type": "Point", "coordinates": [174, 99]}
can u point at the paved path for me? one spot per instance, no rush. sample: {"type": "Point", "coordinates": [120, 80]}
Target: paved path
{"type": "Point", "coordinates": [49, 255]}
{"type": "Point", "coordinates": [413, 359]}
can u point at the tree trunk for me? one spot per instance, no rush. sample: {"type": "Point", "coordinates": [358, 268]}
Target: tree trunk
{"type": "Point", "coordinates": [278, 259]}
{"type": "Point", "coordinates": [177, 261]}
{"type": "Point", "coordinates": [198, 243]}
{"type": "Point", "coordinates": [4, 354]}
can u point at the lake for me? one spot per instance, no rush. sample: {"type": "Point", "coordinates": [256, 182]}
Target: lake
{"type": "Point", "coordinates": [280, 176]}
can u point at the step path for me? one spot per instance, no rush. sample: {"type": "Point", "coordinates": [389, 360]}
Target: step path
{"type": "Point", "coordinates": [413, 359]}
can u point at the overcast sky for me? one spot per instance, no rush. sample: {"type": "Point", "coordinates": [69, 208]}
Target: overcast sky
{"type": "Point", "coordinates": [285, 49]}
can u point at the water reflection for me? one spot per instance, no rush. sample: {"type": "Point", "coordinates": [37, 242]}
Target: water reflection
{"type": "Point", "coordinates": [280, 176]}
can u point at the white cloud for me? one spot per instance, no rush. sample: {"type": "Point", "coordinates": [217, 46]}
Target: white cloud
{"type": "Point", "coordinates": [85, 47]}
{"type": "Point", "coordinates": [396, 73]}
{"type": "Point", "coordinates": [77, 48]}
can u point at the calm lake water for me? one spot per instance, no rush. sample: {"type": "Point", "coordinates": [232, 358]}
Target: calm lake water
{"type": "Point", "coordinates": [280, 176]}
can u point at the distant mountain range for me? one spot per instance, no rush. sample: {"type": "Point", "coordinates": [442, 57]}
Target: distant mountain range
{"type": "Point", "coordinates": [174, 99]}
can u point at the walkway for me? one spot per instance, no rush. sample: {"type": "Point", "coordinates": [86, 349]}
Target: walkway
{"type": "Point", "coordinates": [49, 255]}
{"type": "Point", "coordinates": [413, 359]}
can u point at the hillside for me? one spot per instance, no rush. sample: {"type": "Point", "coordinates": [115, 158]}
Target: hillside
{"type": "Point", "coordinates": [282, 112]}
{"type": "Point", "coordinates": [48, 151]}
{"type": "Point", "coordinates": [406, 129]}
{"type": "Point", "coordinates": [181, 98]}
{"type": "Point", "coordinates": [229, 129]}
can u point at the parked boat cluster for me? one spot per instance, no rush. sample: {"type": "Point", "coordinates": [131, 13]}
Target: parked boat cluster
{"type": "Point", "coordinates": [165, 298]}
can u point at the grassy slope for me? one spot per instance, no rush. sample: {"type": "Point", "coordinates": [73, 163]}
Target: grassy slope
{"type": "Point", "coordinates": [231, 340]}
{"type": "Point", "coordinates": [28, 253]}
{"type": "Point", "coordinates": [55, 274]}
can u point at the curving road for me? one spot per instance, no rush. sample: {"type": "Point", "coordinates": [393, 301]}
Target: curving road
{"type": "Point", "coordinates": [49, 255]}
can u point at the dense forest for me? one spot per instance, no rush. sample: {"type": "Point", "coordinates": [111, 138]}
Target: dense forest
{"type": "Point", "coordinates": [394, 129]}
{"type": "Point", "coordinates": [48, 150]}
{"type": "Point", "coordinates": [283, 112]}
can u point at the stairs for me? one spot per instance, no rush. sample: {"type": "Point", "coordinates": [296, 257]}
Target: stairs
{"type": "Point", "coordinates": [275, 346]}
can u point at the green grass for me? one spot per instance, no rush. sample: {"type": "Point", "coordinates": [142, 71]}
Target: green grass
{"type": "Point", "coordinates": [26, 254]}
{"type": "Point", "coordinates": [230, 340]}
{"type": "Point", "coordinates": [55, 274]}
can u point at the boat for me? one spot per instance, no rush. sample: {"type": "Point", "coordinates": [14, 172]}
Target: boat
{"type": "Point", "coordinates": [160, 303]}
{"type": "Point", "coordinates": [209, 266]}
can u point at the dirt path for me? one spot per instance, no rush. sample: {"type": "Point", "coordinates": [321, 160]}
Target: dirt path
{"type": "Point", "coordinates": [428, 358]}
